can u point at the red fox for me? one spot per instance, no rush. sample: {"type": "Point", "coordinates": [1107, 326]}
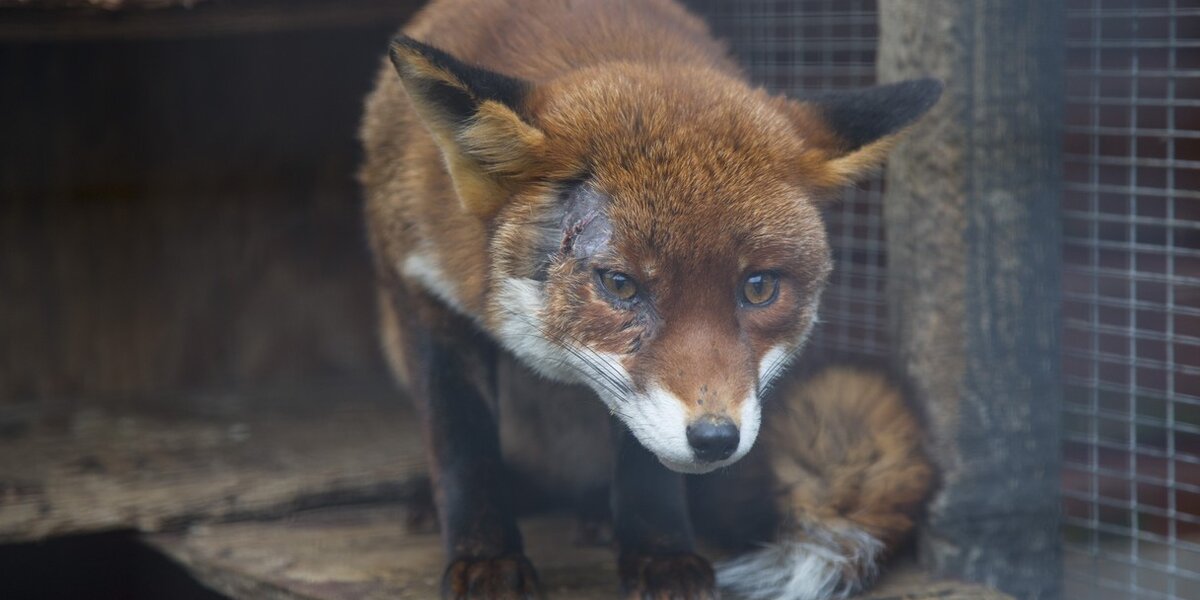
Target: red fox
{"type": "Point", "coordinates": [598, 249]}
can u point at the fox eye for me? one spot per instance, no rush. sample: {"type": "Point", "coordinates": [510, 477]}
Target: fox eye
{"type": "Point", "coordinates": [619, 285]}
{"type": "Point", "coordinates": [760, 288]}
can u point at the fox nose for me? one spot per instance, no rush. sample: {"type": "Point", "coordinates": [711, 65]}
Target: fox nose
{"type": "Point", "coordinates": [713, 438]}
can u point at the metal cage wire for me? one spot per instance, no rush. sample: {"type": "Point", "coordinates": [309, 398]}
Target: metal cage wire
{"type": "Point", "coordinates": [814, 45]}
{"type": "Point", "coordinates": [1131, 313]}
{"type": "Point", "coordinates": [1131, 272]}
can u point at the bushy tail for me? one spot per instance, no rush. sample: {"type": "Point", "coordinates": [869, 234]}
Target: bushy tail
{"type": "Point", "coordinates": [845, 451]}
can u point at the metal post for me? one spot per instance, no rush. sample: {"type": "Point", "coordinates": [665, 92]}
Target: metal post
{"type": "Point", "coordinates": [972, 217]}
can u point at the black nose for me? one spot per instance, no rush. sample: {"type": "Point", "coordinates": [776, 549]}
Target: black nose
{"type": "Point", "coordinates": [713, 438]}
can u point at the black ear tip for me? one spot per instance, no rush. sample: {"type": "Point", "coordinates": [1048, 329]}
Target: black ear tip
{"type": "Point", "coordinates": [930, 85]}
{"type": "Point", "coordinates": [909, 100]}
{"type": "Point", "coordinates": [398, 46]}
{"type": "Point", "coordinates": [921, 93]}
{"type": "Point", "coordinates": [402, 47]}
{"type": "Point", "coordinates": [402, 43]}
{"type": "Point", "coordinates": [930, 89]}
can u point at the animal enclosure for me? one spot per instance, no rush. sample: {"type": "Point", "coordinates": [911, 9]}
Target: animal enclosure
{"type": "Point", "coordinates": [1130, 350]}
{"type": "Point", "coordinates": [186, 314]}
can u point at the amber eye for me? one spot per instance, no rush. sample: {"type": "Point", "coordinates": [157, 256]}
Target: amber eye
{"type": "Point", "coordinates": [620, 285]}
{"type": "Point", "coordinates": [760, 288]}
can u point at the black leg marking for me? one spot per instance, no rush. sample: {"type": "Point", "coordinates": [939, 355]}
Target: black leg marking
{"type": "Point", "coordinates": [653, 530]}
{"type": "Point", "coordinates": [452, 367]}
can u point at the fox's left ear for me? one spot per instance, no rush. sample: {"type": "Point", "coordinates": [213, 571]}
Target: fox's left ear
{"type": "Point", "coordinates": [476, 119]}
{"type": "Point", "coordinates": [850, 132]}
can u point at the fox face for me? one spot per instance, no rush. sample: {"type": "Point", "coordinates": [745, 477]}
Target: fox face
{"type": "Point", "coordinates": [653, 233]}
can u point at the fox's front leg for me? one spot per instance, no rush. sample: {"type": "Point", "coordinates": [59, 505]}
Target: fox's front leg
{"type": "Point", "coordinates": [483, 544]}
{"type": "Point", "coordinates": [445, 366]}
{"type": "Point", "coordinates": [656, 557]}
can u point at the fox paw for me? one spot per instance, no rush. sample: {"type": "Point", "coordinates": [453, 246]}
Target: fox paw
{"type": "Point", "coordinates": [501, 578]}
{"type": "Point", "coordinates": [667, 577]}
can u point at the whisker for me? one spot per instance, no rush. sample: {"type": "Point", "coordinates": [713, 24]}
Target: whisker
{"type": "Point", "coordinates": [600, 368]}
{"type": "Point", "coordinates": [581, 351]}
{"type": "Point", "coordinates": [602, 382]}
{"type": "Point", "coordinates": [773, 373]}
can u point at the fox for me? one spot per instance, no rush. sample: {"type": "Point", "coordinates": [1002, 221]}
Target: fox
{"type": "Point", "coordinates": [598, 250]}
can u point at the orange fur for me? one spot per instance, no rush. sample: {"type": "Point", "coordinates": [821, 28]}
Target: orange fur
{"type": "Point", "coordinates": [846, 455]}
{"type": "Point", "coordinates": [847, 449]}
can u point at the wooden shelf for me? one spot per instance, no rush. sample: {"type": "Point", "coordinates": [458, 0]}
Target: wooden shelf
{"type": "Point", "coordinates": [99, 4]}
{"type": "Point", "coordinates": [229, 491]}
{"type": "Point", "coordinates": [82, 20]}
{"type": "Point", "coordinates": [94, 470]}
{"type": "Point", "coordinates": [366, 552]}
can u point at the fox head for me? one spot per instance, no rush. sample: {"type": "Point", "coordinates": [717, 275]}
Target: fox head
{"type": "Point", "coordinates": [655, 230]}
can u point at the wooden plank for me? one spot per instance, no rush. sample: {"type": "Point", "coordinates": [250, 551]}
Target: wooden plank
{"type": "Point", "coordinates": [366, 553]}
{"type": "Point", "coordinates": [79, 20]}
{"type": "Point", "coordinates": [974, 255]}
{"type": "Point", "coordinates": [94, 470]}
{"type": "Point", "coordinates": [99, 4]}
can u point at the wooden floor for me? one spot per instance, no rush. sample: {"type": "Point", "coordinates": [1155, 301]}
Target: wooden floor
{"type": "Point", "coordinates": [243, 494]}
{"type": "Point", "coordinates": [223, 459]}
{"type": "Point", "coordinates": [367, 554]}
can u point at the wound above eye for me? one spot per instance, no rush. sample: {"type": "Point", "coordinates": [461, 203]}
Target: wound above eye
{"type": "Point", "coordinates": [586, 228]}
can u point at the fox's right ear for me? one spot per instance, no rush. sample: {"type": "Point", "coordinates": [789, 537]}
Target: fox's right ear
{"type": "Point", "coordinates": [849, 133]}
{"type": "Point", "coordinates": [475, 116]}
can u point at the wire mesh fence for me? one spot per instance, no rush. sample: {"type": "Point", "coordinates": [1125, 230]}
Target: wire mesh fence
{"type": "Point", "coordinates": [1131, 364]}
{"type": "Point", "coordinates": [817, 45]}
{"type": "Point", "coordinates": [1131, 272]}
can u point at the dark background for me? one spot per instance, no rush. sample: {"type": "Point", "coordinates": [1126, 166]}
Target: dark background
{"type": "Point", "coordinates": [179, 221]}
